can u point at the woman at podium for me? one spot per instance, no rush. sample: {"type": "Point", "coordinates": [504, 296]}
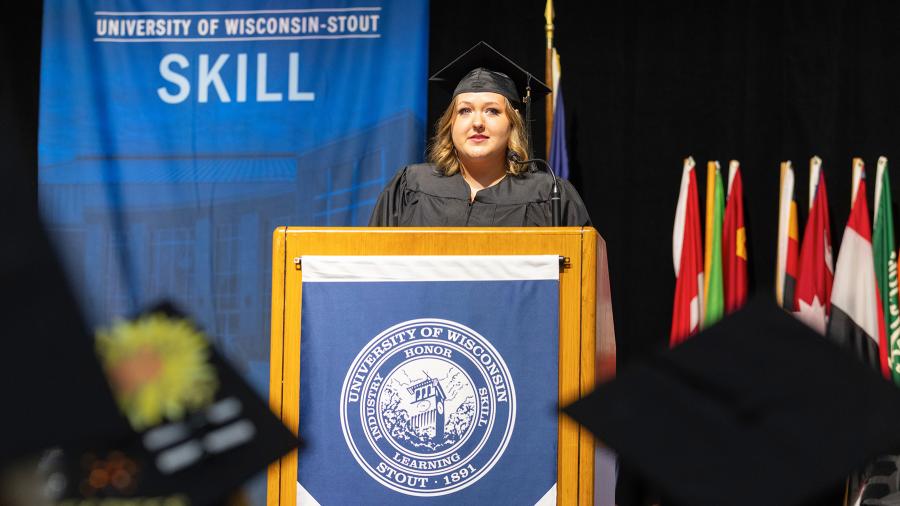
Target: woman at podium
{"type": "Point", "coordinates": [476, 175]}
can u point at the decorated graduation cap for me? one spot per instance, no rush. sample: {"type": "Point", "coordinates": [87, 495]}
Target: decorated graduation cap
{"type": "Point", "coordinates": [169, 419]}
{"type": "Point", "coordinates": [484, 69]}
{"type": "Point", "coordinates": [758, 409]}
{"type": "Point", "coordinates": [199, 430]}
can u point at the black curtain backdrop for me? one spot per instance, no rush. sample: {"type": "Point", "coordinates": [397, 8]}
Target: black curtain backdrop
{"type": "Point", "coordinates": [646, 84]}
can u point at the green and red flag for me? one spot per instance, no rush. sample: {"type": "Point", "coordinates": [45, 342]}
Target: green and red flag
{"type": "Point", "coordinates": [886, 269]}
{"type": "Point", "coordinates": [687, 254]}
{"type": "Point", "coordinates": [734, 242]}
{"type": "Point", "coordinates": [714, 297]}
{"type": "Point", "coordinates": [788, 240]}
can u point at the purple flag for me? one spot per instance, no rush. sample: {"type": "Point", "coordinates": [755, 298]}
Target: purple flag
{"type": "Point", "coordinates": [559, 153]}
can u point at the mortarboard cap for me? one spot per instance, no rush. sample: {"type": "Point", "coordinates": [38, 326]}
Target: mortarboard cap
{"type": "Point", "coordinates": [483, 68]}
{"type": "Point", "coordinates": [200, 430]}
{"type": "Point", "coordinates": [758, 409]}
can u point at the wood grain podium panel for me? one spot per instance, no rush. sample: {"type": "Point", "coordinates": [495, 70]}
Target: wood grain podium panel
{"type": "Point", "coordinates": [577, 320]}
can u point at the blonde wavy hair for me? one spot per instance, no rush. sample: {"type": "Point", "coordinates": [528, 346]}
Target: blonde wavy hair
{"type": "Point", "coordinates": [442, 153]}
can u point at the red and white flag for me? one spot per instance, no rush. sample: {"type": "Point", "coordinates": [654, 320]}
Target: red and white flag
{"type": "Point", "coordinates": [814, 279]}
{"type": "Point", "coordinates": [857, 319]}
{"type": "Point", "coordinates": [687, 254]}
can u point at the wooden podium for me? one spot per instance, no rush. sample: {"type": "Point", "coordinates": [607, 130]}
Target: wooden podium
{"type": "Point", "coordinates": [585, 322]}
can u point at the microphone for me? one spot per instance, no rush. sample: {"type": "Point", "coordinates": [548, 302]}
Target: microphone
{"type": "Point", "coordinates": [555, 200]}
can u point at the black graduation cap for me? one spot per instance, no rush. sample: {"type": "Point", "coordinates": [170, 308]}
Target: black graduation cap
{"type": "Point", "coordinates": [758, 409]}
{"type": "Point", "coordinates": [219, 434]}
{"type": "Point", "coordinates": [483, 68]}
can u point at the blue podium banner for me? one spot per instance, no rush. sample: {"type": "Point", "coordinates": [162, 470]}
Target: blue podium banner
{"type": "Point", "coordinates": [429, 377]}
{"type": "Point", "coordinates": [176, 136]}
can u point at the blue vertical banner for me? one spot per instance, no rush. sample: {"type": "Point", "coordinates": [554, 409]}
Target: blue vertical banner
{"type": "Point", "coordinates": [430, 377]}
{"type": "Point", "coordinates": [176, 136]}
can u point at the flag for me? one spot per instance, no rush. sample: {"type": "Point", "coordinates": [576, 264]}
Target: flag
{"type": "Point", "coordinates": [788, 237]}
{"type": "Point", "coordinates": [886, 270]}
{"type": "Point", "coordinates": [559, 154]}
{"type": "Point", "coordinates": [734, 242]}
{"type": "Point", "coordinates": [814, 277]}
{"type": "Point", "coordinates": [687, 256]}
{"type": "Point", "coordinates": [884, 263]}
{"type": "Point", "coordinates": [712, 264]}
{"type": "Point", "coordinates": [856, 318]}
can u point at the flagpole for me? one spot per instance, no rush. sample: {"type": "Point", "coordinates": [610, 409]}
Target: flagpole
{"type": "Point", "coordinates": [858, 167]}
{"type": "Point", "coordinates": [815, 165]}
{"type": "Point", "coordinates": [548, 71]}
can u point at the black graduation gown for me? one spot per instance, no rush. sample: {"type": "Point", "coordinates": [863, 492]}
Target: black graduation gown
{"type": "Point", "coordinates": [419, 196]}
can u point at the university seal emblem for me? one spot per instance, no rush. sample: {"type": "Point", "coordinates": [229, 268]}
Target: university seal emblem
{"type": "Point", "coordinates": [428, 407]}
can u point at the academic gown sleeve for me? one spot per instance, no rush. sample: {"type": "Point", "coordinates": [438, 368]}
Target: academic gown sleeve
{"type": "Point", "coordinates": [390, 202]}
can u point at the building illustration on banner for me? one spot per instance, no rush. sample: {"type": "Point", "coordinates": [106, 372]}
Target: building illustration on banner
{"type": "Point", "coordinates": [213, 258]}
{"type": "Point", "coordinates": [430, 422]}
{"type": "Point", "coordinates": [420, 417]}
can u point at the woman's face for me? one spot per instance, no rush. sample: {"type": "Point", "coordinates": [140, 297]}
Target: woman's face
{"type": "Point", "coordinates": [481, 127]}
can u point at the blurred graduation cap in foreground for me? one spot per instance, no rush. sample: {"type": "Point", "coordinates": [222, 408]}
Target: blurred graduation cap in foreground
{"type": "Point", "coordinates": [758, 409]}
{"type": "Point", "coordinates": [200, 430]}
{"type": "Point", "coordinates": [170, 419]}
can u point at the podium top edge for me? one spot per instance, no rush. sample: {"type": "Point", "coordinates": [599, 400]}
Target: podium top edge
{"type": "Point", "coordinates": [437, 230]}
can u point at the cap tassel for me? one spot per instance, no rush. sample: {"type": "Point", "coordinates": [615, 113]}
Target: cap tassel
{"type": "Point", "coordinates": [528, 115]}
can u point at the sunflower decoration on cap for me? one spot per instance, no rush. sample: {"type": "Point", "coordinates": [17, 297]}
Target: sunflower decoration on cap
{"type": "Point", "coordinates": [159, 368]}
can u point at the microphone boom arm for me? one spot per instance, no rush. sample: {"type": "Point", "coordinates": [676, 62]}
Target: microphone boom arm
{"type": "Point", "coordinates": [555, 199]}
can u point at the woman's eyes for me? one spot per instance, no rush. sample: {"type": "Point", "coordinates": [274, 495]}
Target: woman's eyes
{"type": "Point", "coordinates": [490, 110]}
